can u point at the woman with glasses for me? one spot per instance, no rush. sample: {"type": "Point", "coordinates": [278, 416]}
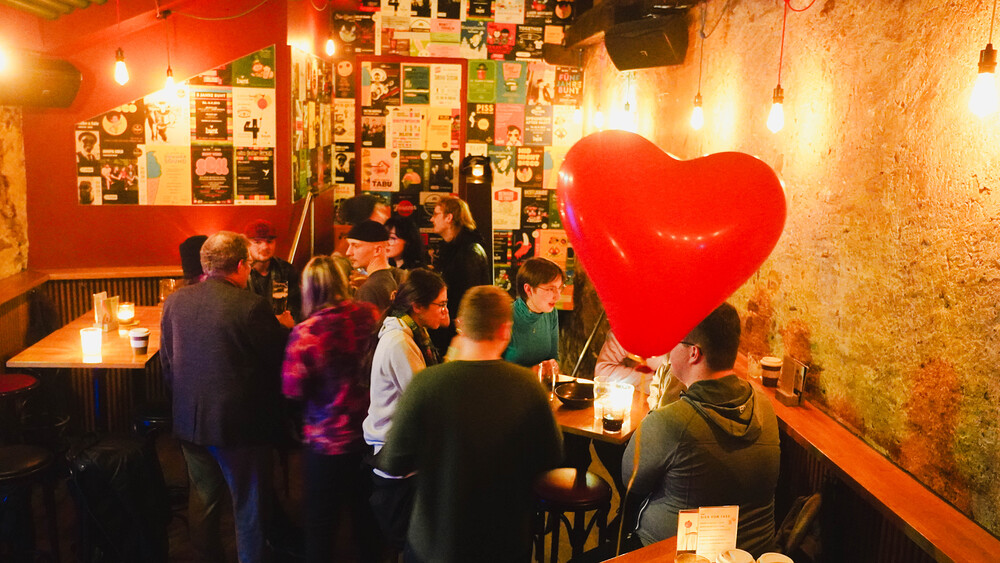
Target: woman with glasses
{"type": "Point", "coordinates": [534, 340]}
{"type": "Point", "coordinates": [406, 247]}
{"type": "Point", "coordinates": [325, 367]}
{"type": "Point", "coordinates": [403, 349]}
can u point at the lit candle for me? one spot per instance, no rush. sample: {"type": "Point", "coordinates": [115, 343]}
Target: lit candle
{"type": "Point", "coordinates": [126, 312]}
{"type": "Point", "coordinates": [90, 341]}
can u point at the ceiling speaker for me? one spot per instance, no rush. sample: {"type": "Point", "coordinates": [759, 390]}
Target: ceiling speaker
{"type": "Point", "coordinates": [42, 82]}
{"type": "Point", "coordinates": [647, 43]}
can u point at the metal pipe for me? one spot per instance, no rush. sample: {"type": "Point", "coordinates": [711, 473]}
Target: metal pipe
{"type": "Point", "coordinates": [25, 6]}
{"type": "Point", "coordinates": [54, 5]}
{"type": "Point", "coordinates": [586, 346]}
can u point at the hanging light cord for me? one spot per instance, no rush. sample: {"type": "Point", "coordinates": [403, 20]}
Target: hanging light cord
{"type": "Point", "coordinates": [221, 18]}
{"type": "Point", "coordinates": [788, 3]}
{"type": "Point", "coordinates": [725, 8]}
{"type": "Point", "coordinates": [781, 53]}
{"type": "Point", "coordinates": [325, 6]}
{"type": "Point", "coordinates": [701, 32]}
{"type": "Point", "coordinates": [993, 17]}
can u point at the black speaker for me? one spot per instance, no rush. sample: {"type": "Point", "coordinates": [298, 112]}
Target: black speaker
{"type": "Point", "coordinates": [40, 81]}
{"type": "Point", "coordinates": [648, 42]}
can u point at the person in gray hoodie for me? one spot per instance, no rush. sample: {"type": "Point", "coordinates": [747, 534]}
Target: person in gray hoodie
{"type": "Point", "coordinates": [718, 445]}
{"type": "Point", "coordinates": [403, 349]}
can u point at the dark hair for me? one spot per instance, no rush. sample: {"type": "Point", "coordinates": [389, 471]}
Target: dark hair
{"type": "Point", "coordinates": [190, 251]}
{"type": "Point", "coordinates": [414, 255]}
{"type": "Point", "coordinates": [536, 271]}
{"type": "Point", "coordinates": [324, 283]}
{"type": "Point", "coordinates": [484, 309]}
{"type": "Point", "coordinates": [421, 287]}
{"type": "Point", "coordinates": [718, 336]}
{"type": "Point", "coordinates": [358, 208]}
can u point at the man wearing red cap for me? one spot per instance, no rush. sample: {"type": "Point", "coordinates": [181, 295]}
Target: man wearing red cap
{"type": "Point", "coordinates": [269, 272]}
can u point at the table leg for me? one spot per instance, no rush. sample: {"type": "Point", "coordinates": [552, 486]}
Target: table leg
{"type": "Point", "coordinates": [100, 423]}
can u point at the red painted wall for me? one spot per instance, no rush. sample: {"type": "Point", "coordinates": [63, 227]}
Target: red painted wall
{"type": "Point", "coordinates": [64, 234]}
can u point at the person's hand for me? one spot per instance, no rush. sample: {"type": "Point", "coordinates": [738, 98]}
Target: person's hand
{"type": "Point", "coordinates": [286, 319]}
{"type": "Point", "coordinates": [358, 279]}
{"type": "Point", "coordinates": [547, 367]}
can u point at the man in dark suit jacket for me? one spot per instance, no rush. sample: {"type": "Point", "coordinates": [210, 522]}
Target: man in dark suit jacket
{"type": "Point", "coordinates": [221, 349]}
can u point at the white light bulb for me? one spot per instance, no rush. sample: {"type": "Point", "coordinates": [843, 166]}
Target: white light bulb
{"type": "Point", "coordinates": [578, 115]}
{"type": "Point", "coordinates": [984, 95]}
{"type": "Point", "coordinates": [599, 119]}
{"type": "Point", "coordinates": [776, 119]}
{"type": "Point", "coordinates": [697, 115]}
{"type": "Point", "coordinates": [168, 84]}
{"type": "Point", "coordinates": [121, 71]}
{"type": "Point", "coordinates": [331, 47]}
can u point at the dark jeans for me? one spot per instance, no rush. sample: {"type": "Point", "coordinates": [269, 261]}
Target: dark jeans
{"type": "Point", "coordinates": [607, 550]}
{"type": "Point", "coordinates": [611, 457]}
{"type": "Point", "coordinates": [246, 472]}
{"type": "Point", "coordinates": [332, 482]}
{"type": "Point", "coordinates": [392, 502]}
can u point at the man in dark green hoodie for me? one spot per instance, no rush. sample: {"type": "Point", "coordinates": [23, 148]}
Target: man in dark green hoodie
{"type": "Point", "coordinates": [716, 446]}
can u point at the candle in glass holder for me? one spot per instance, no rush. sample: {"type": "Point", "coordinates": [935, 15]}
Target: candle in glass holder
{"type": "Point", "coordinates": [126, 312]}
{"type": "Point", "coordinates": [90, 341]}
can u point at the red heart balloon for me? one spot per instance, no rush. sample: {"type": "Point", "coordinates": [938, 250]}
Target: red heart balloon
{"type": "Point", "coordinates": [665, 241]}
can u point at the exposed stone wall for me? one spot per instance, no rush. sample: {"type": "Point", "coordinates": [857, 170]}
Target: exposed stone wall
{"type": "Point", "coordinates": [887, 277]}
{"type": "Point", "coordinates": [13, 195]}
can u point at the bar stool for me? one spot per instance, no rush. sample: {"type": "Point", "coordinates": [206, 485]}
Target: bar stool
{"type": "Point", "coordinates": [568, 490]}
{"type": "Point", "coordinates": [14, 388]}
{"type": "Point", "coordinates": [24, 466]}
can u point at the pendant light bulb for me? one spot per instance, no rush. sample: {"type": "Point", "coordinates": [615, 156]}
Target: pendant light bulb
{"type": "Point", "coordinates": [697, 115]}
{"type": "Point", "coordinates": [331, 47]}
{"type": "Point", "coordinates": [984, 99]}
{"type": "Point", "coordinates": [776, 119]}
{"type": "Point", "coordinates": [121, 71]}
{"type": "Point", "coordinates": [168, 84]}
{"type": "Point", "coordinates": [599, 119]}
{"type": "Point", "coordinates": [578, 115]}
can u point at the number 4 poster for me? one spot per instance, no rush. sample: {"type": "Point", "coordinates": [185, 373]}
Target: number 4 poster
{"type": "Point", "coordinates": [254, 113]}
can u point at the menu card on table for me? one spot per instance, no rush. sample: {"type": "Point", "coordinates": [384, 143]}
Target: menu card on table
{"type": "Point", "coordinates": [708, 530]}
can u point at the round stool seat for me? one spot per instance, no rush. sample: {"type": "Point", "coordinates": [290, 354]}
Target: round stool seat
{"type": "Point", "coordinates": [18, 462]}
{"type": "Point", "coordinates": [561, 489]}
{"type": "Point", "coordinates": [13, 383]}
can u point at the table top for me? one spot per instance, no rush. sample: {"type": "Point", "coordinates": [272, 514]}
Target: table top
{"type": "Point", "coordinates": [662, 551]}
{"type": "Point", "coordinates": [62, 348]}
{"type": "Point", "coordinates": [581, 421]}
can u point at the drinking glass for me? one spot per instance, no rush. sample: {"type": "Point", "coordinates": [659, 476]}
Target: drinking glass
{"type": "Point", "coordinates": [279, 297]}
{"type": "Point", "coordinates": [602, 394]}
{"type": "Point", "coordinates": [167, 286]}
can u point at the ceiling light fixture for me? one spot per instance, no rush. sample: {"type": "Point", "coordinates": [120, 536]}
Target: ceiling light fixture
{"type": "Point", "coordinates": [984, 94]}
{"type": "Point", "coordinates": [121, 71]}
{"type": "Point", "coordinates": [697, 114]}
{"type": "Point", "coordinates": [776, 118]}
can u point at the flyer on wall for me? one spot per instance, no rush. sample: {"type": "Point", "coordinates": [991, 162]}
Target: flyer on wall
{"type": "Point", "coordinates": [255, 176]}
{"type": "Point", "coordinates": [212, 175]}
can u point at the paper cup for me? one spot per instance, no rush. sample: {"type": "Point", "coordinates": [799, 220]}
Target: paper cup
{"type": "Point", "coordinates": [139, 338]}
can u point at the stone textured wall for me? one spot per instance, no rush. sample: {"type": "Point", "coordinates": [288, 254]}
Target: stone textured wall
{"type": "Point", "coordinates": [887, 277]}
{"type": "Point", "coordinates": [13, 195]}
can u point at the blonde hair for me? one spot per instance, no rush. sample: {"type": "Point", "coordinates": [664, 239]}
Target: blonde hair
{"type": "Point", "coordinates": [459, 211]}
{"type": "Point", "coordinates": [324, 282]}
{"type": "Point", "coordinates": [484, 309]}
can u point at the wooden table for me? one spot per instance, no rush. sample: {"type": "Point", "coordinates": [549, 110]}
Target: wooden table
{"type": "Point", "coordinates": [581, 421]}
{"type": "Point", "coordinates": [62, 349]}
{"type": "Point", "coordinates": [660, 552]}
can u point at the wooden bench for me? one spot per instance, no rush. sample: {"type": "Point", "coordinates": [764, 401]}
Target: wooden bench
{"type": "Point", "coordinates": [931, 523]}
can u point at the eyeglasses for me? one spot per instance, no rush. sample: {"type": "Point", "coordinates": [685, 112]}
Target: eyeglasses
{"type": "Point", "coordinates": [442, 304]}
{"type": "Point", "coordinates": [393, 238]}
{"type": "Point", "coordinates": [554, 290]}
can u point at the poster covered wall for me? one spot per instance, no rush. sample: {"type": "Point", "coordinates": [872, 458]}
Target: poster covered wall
{"type": "Point", "coordinates": [207, 141]}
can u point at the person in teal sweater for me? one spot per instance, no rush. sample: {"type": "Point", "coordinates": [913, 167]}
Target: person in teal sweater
{"type": "Point", "coordinates": [534, 339]}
